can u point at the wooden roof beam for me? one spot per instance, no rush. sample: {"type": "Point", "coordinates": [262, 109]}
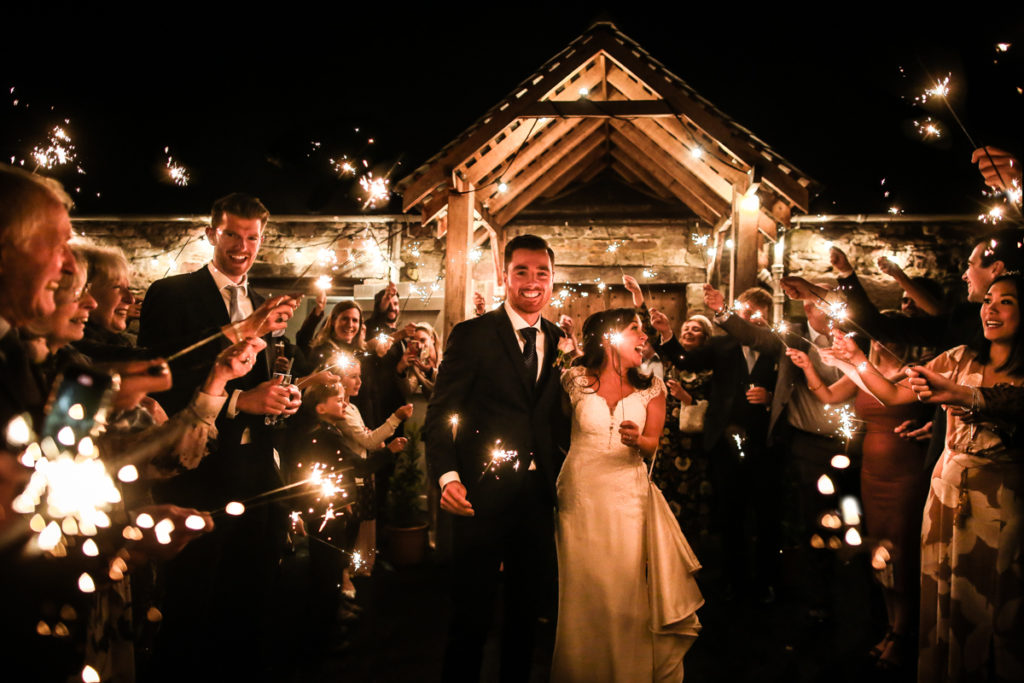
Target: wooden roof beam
{"type": "Point", "coordinates": [551, 76]}
{"type": "Point", "coordinates": [583, 172]}
{"type": "Point", "coordinates": [522, 181]}
{"type": "Point", "coordinates": [565, 164]}
{"type": "Point", "coordinates": [654, 177]}
{"type": "Point", "coordinates": [623, 160]}
{"type": "Point", "coordinates": [678, 172]}
{"type": "Point", "coordinates": [716, 128]}
{"type": "Point", "coordinates": [599, 108]}
{"type": "Point", "coordinates": [623, 83]}
{"type": "Point", "coordinates": [632, 178]}
{"type": "Point", "coordinates": [536, 146]}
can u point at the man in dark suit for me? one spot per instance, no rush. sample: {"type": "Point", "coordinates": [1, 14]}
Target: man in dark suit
{"type": "Point", "coordinates": [493, 433]}
{"type": "Point", "coordinates": [735, 439]}
{"type": "Point", "coordinates": [223, 584]}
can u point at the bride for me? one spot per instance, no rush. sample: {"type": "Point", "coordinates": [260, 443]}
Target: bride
{"type": "Point", "coordinates": [627, 599]}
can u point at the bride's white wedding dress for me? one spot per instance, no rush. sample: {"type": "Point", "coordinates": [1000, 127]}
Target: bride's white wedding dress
{"type": "Point", "coordinates": [627, 599]}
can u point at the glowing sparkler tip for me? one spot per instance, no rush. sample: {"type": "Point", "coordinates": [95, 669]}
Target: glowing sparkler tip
{"type": "Point", "coordinates": [86, 585]}
{"type": "Point", "coordinates": [144, 521]}
{"type": "Point", "coordinates": [234, 509]}
{"type": "Point", "coordinates": [840, 461]}
{"type": "Point", "coordinates": [128, 473]}
{"type": "Point", "coordinates": [90, 548]}
{"type": "Point", "coordinates": [825, 485]}
{"type": "Point", "coordinates": [195, 522]}
{"type": "Point", "coordinates": [324, 282]}
{"type": "Point", "coordinates": [853, 537]}
{"type": "Point", "coordinates": [90, 675]}
{"type": "Point", "coordinates": [18, 431]}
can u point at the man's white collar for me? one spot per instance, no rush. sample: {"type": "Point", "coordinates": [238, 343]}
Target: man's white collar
{"type": "Point", "coordinates": [223, 280]}
{"type": "Point", "coordinates": [517, 320]}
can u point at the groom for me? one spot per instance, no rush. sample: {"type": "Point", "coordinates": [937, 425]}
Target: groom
{"type": "Point", "coordinates": [493, 431]}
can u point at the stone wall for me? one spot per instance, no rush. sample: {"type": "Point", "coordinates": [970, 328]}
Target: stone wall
{"type": "Point", "coordinates": [659, 252]}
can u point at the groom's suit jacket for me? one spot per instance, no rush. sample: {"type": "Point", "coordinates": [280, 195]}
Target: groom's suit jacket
{"type": "Point", "coordinates": [483, 380]}
{"type": "Point", "coordinates": [181, 310]}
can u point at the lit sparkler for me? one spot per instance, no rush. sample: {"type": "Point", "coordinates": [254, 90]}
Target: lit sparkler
{"type": "Point", "coordinates": [58, 150]}
{"type": "Point", "coordinates": [500, 457]}
{"type": "Point", "coordinates": [928, 128]}
{"type": "Point", "coordinates": [940, 89]}
{"type": "Point", "coordinates": [323, 283]}
{"type": "Point", "coordinates": [375, 189]}
{"type": "Point", "coordinates": [175, 170]}
{"type": "Point", "coordinates": [454, 422]}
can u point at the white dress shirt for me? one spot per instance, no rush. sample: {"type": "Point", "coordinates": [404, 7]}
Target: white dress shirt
{"type": "Point", "coordinates": [224, 283]}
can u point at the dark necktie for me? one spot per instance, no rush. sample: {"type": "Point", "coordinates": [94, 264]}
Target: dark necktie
{"type": "Point", "coordinates": [529, 335]}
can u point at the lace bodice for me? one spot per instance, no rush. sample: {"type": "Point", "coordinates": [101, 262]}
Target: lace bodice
{"type": "Point", "coordinates": [597, 459]}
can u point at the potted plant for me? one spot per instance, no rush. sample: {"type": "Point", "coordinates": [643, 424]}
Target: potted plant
{"type": "Point", "coordinates": [406, 517]}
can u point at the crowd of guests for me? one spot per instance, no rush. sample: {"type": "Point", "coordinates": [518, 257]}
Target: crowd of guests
{"type": "Point", "coordinates": [305, 434]}
{"type": "Point", "coordinates": [243, 461]}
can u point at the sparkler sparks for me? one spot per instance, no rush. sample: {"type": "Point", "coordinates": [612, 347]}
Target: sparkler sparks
{"type": "Point", "coordinates": [928, 129]}
{"type": "Point", "coordinates": [376, 190]}
{"type": "Point", "coordinates": [175, 170]}
{"type": "Point", "coordinates": [994, 215]}
{"type": "Point", "coordinates": [499, 457]}
{"type": "Point", "coordinates": [940, 89]}
{"type": "Point", "coordinates": [343, 166]}
{"type": "Point", "coordinates": [58, 150]}
{"type": "Point", "coordinates": [323, 283]}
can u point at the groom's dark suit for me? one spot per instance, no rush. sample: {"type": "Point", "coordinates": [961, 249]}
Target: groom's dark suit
{"type": "Point", "coordinates": [219, 586]}
{"type": "Point", "coordinates": [484, 381]}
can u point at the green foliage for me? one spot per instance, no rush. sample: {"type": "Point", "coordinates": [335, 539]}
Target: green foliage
{"type": "Point", "coordinates": [407, 484]}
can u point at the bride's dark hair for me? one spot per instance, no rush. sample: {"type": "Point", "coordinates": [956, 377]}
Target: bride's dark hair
{"type": "Point", "coordinates": [594, 330]}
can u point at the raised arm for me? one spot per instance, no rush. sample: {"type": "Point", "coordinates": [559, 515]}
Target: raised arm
{"type": "Point", "coordinates": [839, 391]}
{"type": "Point", "coordinates": [845, 349]}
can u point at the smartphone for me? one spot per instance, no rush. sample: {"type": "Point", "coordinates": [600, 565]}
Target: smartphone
{"type": "Point", "coordinates": [80, 404]}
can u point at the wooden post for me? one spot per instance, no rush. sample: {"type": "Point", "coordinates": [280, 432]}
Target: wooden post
{"type": "Point", "coordinates": [456, 257]}
{"type": "Point", "coordinates": [745, 243]}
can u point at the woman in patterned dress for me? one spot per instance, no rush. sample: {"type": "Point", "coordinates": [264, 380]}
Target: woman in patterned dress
{"type": "Point", "coordinates": [681, 468]}
{"type": "Point", "coordinates": [972, 571]}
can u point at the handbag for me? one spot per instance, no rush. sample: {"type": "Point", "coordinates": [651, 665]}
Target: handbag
{"type": "Point", "coordinates": [691, 417]}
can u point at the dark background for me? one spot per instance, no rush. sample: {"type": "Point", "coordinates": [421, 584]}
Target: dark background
{"type": "Point", "coordinates": [240, 95]}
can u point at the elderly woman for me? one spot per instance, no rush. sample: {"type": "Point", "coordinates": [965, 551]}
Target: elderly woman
{"type": "Point", "coordinates": [55, 333]}
{"type": "Point", "coordinates": [681, 469]}
{"type": "Point", "coordinates": [105, 339]}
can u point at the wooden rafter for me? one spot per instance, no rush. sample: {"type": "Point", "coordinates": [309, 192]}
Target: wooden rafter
{"type": "Point", "coordinates": [677, 171]}
{"type": "Point", "coordinates": [622, 161]}
{"type": "Point", "coordinates": [521, 182]}
{"type": "Point", "coordinates": [544, 180]}
{"type": "Point", "coordinates": [641, 164]}
{"type": "Point", "coordinates": [694, 109]}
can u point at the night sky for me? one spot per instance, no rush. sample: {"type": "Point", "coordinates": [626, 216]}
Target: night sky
{"type": "Point", "coordinates": [240, 97]}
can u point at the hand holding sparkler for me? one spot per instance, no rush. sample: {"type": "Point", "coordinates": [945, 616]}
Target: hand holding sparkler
{"type": "Point", "coordinates": [1000, 169]}
{"type": "Point", "coordinates": [759, 396]}
{"type": "Point", "coordinates": [272, 315]}
{"type": "Point", "coordinates": [138, 378]}
{"type": "Point", "coordinates": [844, 351]}
{"type": "Point", "coordinates": [175, 527]}
{"type": "Point", "coordinates": [479, 304]}
{"type": "Point", "coordinates": [629, 434]}
{"type": "Point", "coordinates": [801, 289]}
{"type": "Point", "coordinates": [233, 362]}
{"type": "Point", "coordinates": [677, 391]}
{"type": "Point", "coordinates": [398, 444]}
{"type": "Point", "coordinates": [931, 387]}
{"type": "Point", "coordinates": [839, 262]}
{"type": "Point", "coordinates": [660, 322]}
{"type": "Point", "coordinates": [270, 398]}
{"type": "Point", "coordinates": [714, 300]}
{"type": "Point", "coordinates": [633, 287]}
{"type": "Point", "coordinates": [321, 298]}
{"type": "Point", "coordinates": [453, 500]}
{"type": "Point", "coordinates": [891, 268]}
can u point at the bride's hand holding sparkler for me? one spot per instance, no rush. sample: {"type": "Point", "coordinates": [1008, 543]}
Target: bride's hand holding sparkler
{"type": "Point", "coordinates": [629, 434]}
{"type": "Point", "coordinates": [633, 287]}
{"type": "Point", "coordinates": [799, 358]}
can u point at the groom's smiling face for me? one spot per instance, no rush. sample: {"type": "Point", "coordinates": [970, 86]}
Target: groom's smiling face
{"type": "Point", "coordinates": [528, 282]}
